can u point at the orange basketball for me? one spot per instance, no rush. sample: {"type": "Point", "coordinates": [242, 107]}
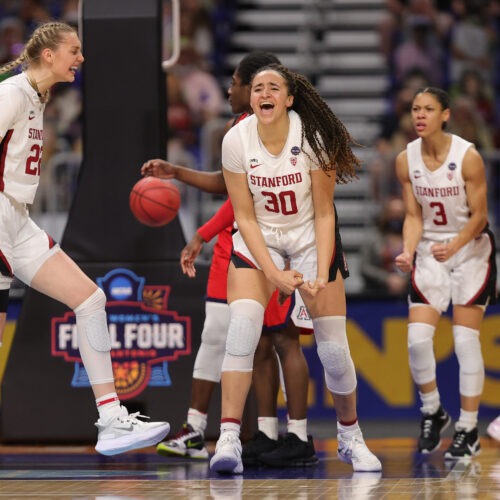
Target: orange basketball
{"type": "Point", "coordinates": [154, 202]}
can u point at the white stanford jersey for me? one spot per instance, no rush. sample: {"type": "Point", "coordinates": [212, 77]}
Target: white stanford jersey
{"type": "Point", "coordinates": [280, 185]}
{"type": "Point", "coordinates": [21, 133]}
{"type": "Point", "coordinates": [441, 193]}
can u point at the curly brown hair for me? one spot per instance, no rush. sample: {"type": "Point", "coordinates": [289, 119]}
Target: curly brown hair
{"type": "Point", "coordinates": [321, 128]}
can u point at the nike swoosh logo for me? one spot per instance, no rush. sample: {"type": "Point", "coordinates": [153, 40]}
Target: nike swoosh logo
{"type": "Point", "coordinates": [30, 117]}
{"type": "Point", "coordinates": [255, 166]}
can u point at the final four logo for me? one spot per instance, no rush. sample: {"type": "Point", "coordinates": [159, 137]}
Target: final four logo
{"type": "Point", "coordinates": [145, 335]}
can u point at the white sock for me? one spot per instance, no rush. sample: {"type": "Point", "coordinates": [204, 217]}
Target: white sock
{"type": "Point", "coordinates": [431, 402]}
{"type": "Point", "coordinates": [467, 420]}
{"type": "Point", "coordinates": [342, 429]}
{"type": "Point", "coordinates": [230, 425]}
{"type": "Point", "coordinates": [299, 428]}
{"type": "Point", "coordinates": [269, 426]}
{"type": "Point", "coordinates": [108, 406]}
{"type": "Point", "coordinates": [197, 420]}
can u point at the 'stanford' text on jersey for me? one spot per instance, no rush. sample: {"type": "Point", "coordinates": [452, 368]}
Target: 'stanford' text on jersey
{"type": "Point", "coordinates": [280, 184]}
{"type": "Point", "coordinates": [21, 146]}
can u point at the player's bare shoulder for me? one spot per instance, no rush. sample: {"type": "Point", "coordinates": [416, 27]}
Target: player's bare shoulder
{"type": "Point", "coordinates": [472, 164]}
{"type": "Point", "coordinates": [402, 166]}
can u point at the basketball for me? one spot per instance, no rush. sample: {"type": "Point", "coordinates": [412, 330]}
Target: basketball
{"type": "Point", "coordinates": [154, 202]}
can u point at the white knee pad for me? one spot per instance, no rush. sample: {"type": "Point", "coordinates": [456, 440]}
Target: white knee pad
{"type": "Point", "coordinates": [208, 363]}
{"type": "Point", "coordinates": [470, 360]}
{"type": "Point", "coordinates": [93, 338]}
{"type": "Point", "coordinates": [334, 354]}
{"type": "Point", "coordinates": [421, 352]}
{"type": "Point", "coordinates": [245, 327]}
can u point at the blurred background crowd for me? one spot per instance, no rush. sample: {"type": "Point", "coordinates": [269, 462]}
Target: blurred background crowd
{"type": "Point", "coordinates": [367, 58]}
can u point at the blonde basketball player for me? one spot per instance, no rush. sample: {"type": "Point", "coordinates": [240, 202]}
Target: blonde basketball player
{"type": "Point", "coordinates": [53, 54]}
{"type": "Point", "coordinates": [280, 166]}
{"type": "Point", "coordinates": [451, 255]}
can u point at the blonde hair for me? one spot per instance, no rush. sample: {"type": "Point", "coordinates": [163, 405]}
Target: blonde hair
{"type": "Point", "coordinates": [46, 36]}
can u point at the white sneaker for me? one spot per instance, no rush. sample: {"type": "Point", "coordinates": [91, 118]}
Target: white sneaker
{"type": "Point", "coordinates": [126, 432]}
{"type": "Point", "coordinates": [353, 450]}
{"type": "Point", "coordinates": [493, 429]}
{"type": "Point", "coordinates": [227, 458]}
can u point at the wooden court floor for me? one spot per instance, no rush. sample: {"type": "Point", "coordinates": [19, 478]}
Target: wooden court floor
{"type": "Point", "coordinates": [78, 472]}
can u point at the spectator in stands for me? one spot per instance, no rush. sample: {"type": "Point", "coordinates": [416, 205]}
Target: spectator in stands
{"type": "Point", "coordinates": [470, 40]}
{"type": "Point", "coordinates": [200, 89]}
{"type": "Point", "coordinates": [12, 33]}
{"type": "Point", "coordinates": [196, 29]}
{"type": "Point", "coordinates": [467, 122]}
{"type": "Point", "coordinates": [473, 85]}
{"type": "Point", "coordinates": [33, 13]}
{"type": "Point", "coordinates": [419, 51]}
{"type": "Point", "coordinates": [378, 270]}
{"type": "Point", "coordinates": [390, 28]}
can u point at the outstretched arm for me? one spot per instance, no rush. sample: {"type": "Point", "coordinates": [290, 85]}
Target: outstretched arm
{"type": "Point", "coordinates": [211, 182]}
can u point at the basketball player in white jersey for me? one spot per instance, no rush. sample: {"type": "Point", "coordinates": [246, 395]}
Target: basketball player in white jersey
{"type": "Point", "coordinates": [53, 54]}
{"type": "Point", "coordinates": [451, 255]}
{"type": "Point", "coordinates": [280, 166]}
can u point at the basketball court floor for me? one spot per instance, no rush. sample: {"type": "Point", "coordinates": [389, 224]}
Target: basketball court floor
{"type": "Point", "coordinates": [78, 472]}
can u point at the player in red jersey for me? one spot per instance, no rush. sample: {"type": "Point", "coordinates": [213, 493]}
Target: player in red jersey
{"type": "Point", "coordinates": [280, 333]}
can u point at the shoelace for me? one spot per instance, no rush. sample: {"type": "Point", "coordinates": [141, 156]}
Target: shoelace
{"type": "Point", "coordinates": [459, 439]}
{"type": "Point", "coordinates": [227, 438]}
{"type": "Point", "coordinates": [133, 418]}
{"type": "Point", "coordinates": [356, 446]}
{"type": "Point", "coordinates": [426, 427]}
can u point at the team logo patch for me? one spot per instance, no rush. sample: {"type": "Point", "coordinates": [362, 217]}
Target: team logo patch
{"type": "Point", "coordinates": [145, 334]}
{"type": "Point", "coordinates": [295, 150]}
{"type": "Point", "coordinates": [293, 161]}
{"type": "Point", "coordinates": [452, 166]}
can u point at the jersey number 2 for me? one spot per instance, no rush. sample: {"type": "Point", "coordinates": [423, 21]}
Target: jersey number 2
{"type": "Point", "coordinates": [33, 161]}
{"type": "Point", "coordinates": [284, 202]}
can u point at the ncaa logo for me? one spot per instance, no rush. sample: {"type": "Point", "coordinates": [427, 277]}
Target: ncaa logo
{"type": "Point", "coordinates": [145, 334]}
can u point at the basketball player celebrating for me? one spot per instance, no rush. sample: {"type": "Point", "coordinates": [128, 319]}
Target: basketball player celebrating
{"type": "Point", "coordinates": [450, 252]}
{"type": "Point", "coordinates": [53, 54]}
{"type": "Point", "coordinates": [280, 166]}
{"type": "Point", "coordinates": [297, 448]}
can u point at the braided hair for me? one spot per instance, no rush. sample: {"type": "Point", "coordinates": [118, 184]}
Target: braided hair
{"type": "Point", "coordinates": [48, 35]}
{"type": "Point", "coordinates": [326, 134]}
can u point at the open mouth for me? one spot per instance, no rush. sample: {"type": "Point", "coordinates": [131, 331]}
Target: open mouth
{"type": "Point", "coordinates": [266, 106]}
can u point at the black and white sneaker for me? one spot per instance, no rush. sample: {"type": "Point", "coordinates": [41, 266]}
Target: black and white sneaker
{"type": "Point", "coordinates": [260, 443]}
{"type": "Point", "coordinates": [188, 443]}
{"type": "Point", "coordinates": [291, 452]}
{"type": "Point", "coordinates": [464, 445]}
{"type": "Point", "coordinates": [431, 427]}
